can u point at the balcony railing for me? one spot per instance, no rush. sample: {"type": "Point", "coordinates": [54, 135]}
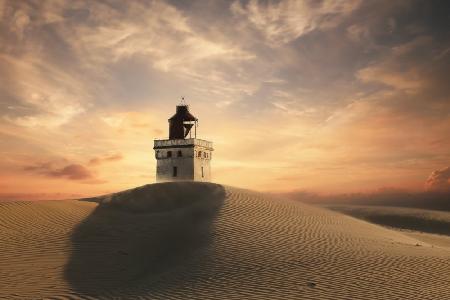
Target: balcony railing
{"type": "Point", "coordinates": [163, 143]}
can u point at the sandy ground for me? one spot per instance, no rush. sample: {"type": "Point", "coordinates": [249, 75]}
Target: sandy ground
{"type": "Point", "coordinates": [205, 241]}
{"type": "Point", "coordinates": [430, 226]}
{"type": "Point", "coordinates": [435, 240]}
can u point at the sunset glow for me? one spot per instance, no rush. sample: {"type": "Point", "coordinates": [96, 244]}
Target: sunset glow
{"type": "Point", "coordinates": [328, 97]}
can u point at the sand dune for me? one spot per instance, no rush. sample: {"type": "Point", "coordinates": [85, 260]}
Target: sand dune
{"type": "Point", "coordinates": [431, 200]}
{"type": "Point", "coordinates": [430, 221]}
{"type": "Point", "coordinates": [205, 241]}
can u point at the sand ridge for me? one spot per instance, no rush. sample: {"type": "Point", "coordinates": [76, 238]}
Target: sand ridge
{"type": "Point", "coordinates": [211, 242]}
{"type": "Point", "coordinates": [423, 220]}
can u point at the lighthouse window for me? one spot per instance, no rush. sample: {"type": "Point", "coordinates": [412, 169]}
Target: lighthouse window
{"type": "Point", "coordinates": [202, 173]}
{"type": "Point", "coordinates": [180, 154]}
{"type": "Point", "coordinates": [175, 171]}
{"type": "Point", "coordinates": [169, 153]}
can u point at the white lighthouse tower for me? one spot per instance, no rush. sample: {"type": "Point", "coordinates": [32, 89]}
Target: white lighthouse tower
{"type": "Point", "coordinates": [183, 157]}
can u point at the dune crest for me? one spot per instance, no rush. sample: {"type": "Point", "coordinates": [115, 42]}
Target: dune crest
{"type": "Point", "coordinates": [161, 197]}
{"type": "Point", "coordinates": [208, 242]}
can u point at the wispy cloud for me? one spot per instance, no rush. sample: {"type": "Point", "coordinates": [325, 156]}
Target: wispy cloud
{"type": "Point", "coordinates": [439, 180]}
{"type": "Point", "coordinates": [109, 158]}
{"type": "Point", "coordinates": [71, 171]}
{"type": "Point", "coordinates": [284, 21]}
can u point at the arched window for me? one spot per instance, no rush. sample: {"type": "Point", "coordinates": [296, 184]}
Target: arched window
{"type": "Point", "coordinates": [169, 153]}
{"type": "Point", "coordinates": [199, 153]}
{"type": "Point", "coordinates": [179, 154]}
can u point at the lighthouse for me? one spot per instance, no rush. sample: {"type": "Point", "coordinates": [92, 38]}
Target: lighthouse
{"type": "Point", "coordinates": [183, 156]}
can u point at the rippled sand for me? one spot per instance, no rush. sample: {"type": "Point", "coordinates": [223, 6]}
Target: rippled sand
{"type": "Point", "coordinates": [422, 220]}
{"type": "Point", "coordinates": [205, 241]}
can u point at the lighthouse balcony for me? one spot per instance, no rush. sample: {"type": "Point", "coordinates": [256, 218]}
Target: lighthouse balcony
{"type": "Point", "coordinates": [182, 143]}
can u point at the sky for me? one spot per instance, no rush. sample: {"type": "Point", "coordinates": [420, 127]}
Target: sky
{"type": "Point", "coordinates": [322, 96]}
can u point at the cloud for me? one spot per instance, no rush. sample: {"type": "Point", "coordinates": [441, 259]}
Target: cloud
{"type": "Point", "coordinates": [408, 80]}
{"type": "Point", "coordinates": [404, 68]}
{"type": "Point", "coordinates": [358, 33]}
{"type": "Point", "coordinates": [439, 180]}
{"type": "Point", "coordinates": [99, 160]}
{"type": "Point", "coordinates": [71, 171]}
{"type": "Point", "coordinates": [159, 32]}
{"type": "Point", "coordinates": [70, 58]}
{"type": "Point", "coordinates": [284, 21]}
{"type": "Point", "coordinates": [44, 96]}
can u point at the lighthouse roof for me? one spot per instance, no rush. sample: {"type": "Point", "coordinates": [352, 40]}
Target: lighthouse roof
{"type": "Point", "coordinates": [183, 114]}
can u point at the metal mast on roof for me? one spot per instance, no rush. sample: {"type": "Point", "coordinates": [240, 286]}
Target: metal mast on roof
{"type": "Point", "coordinates": [183, 102]}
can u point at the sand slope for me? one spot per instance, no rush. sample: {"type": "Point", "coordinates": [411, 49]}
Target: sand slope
{"type": "Point", "coordinates": [204, 241]}
{"type": "Point", "coordinates": [430, 221]}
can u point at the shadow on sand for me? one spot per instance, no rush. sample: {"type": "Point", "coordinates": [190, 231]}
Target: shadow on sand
{"type": "Point", "coordinates": [140, 233]}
